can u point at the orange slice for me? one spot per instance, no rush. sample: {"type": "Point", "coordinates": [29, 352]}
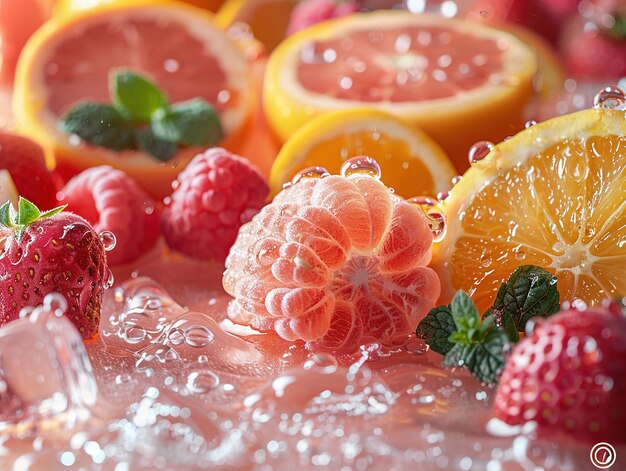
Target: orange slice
{"type": "Point", "coordinates": [459, 81]}
{"type": "Point", "coordinates": [551, 196]}
{"type": "Point", "coordinates": [68, 6]}
{"type": "Point", "coordinates": [411, 162]}
{"type": "Point", "coordinates": [177, 45]}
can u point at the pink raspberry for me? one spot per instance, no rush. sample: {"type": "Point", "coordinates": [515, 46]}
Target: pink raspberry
{"type": "Point", "coordinates": [309, 12]}
{"type": "Point", "coordinates": [112, 201]}
{"type": "Point", "coordinates": [213, 196]}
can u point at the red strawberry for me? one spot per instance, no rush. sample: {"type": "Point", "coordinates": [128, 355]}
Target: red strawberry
{"type": "Point", "coordinates": [569, 376]}
{"type": "Point", "coordinates": [309, 12]}
{"type": "Point", "coordinates": [214, 195]}
{"type": "Point", "coordinates": [112, 201]}
{"type": "Point", "coordinates": [50, 252]}
{"type": "Point", "coordinates": [25, 162]}
{"type": "Point", "coordinates": [594, 55]}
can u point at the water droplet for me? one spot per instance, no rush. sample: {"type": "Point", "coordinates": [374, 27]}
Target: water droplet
{"type": "Point", "coordinates": [530, 123]}
{"type": "Point", "coordinates": [109, 279]}
{"type": "Point", "coordinates": [371, 351]}
{"type": "Point", "coordinates": [198, 336]}
{"type": "Point", "coordinates": [443, 195]}
{"type": "Point", "coordinates": [201, 382]}
{"type": "Point", "coordinates": [133, 333]}
{"type": "Point", "coordinates": [123, 378]}
{"type": "Point", "coordinates": [416, 345]}
{"type": "Point", "coordinates": [486, 261]}
{"type": "Point", "coordinates": [176, 336]}
{"type": "Point", "coordinates": [610, 98]}
{"type": "Point", "coordinates": [437, 224]}
{"type": "Point", "coordinates": [108, 240]}
{"type": "Point", "coordinates": [457, 179]}
{"type": "Point", "coordinates": [203, 359]}
{"type": "Point", "coordinates": [310, 172]}
{"type": "Point", "coordinates": [287, 185]}
{"type": "Point", "coordinates": [321, 363]}
{"type": "Point", "coordinates": [479, 151]}
{"type": "Point", "coordinates": [361, 164]}
{"type": "Point", "coordinates": [520, 255]}
{"type": "Point", "coordinates": [424, 201]}
{"type": "Point", "coordinates": [55, 303]}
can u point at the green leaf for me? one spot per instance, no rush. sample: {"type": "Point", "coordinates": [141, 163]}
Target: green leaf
{"type": "Point", "coordinates": [618, 30]}
{"type": "Point", "coordinates": [134, 96]}
{"type": "Point", "coordinates": [529, 292]}
{"type": "Point", "coordinates": [158, 148]}
{"type": "Point", "coordinates": [27, 212]}
{"type": "Point", "coordinates": [52, 212]}
{"type": "Point", "coordinates": [5, 215]}
{"type": "Point", "coordinates": [436, 328]}
{"type": "Point", "coordinates": [100, 125]}
{"type": "Point", "coordinates": [485, 360]}
{"type": "Point", "coordinates": [189, 123]}
{"type": "Point", "coordinates": [466, 318]}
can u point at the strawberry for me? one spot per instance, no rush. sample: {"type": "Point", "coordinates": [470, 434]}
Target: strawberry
{"type": "Point", "coordinates": [50, 252]}
{"type": "Point", "coordinates": [26, 164]}
{"type": "Point", "coordinates": [594, 55]}
{"type": "Point", "coordinates": [214, 195]}
{"type": "Point", "coordinates": [569, 375]}
{"type": "Point", "coordinates": [309, 12]}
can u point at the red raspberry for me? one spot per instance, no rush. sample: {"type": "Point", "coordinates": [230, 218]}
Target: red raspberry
{"type": "Point", "coordinates": [112, 201]}
{"type": "Point", "coordinates": [569, 376]}
{"type": "Point", "coordinates": [26, 164]}
{"type": "Point", "coordinates": [213, 196]}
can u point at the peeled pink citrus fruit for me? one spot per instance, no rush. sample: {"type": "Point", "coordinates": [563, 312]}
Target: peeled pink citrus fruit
{"type": "Point", "coordinates": [333, 262]}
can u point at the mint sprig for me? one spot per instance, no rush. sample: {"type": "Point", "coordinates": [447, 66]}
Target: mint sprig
{"type": "Point", "coordinates": [529, 292]}
{"type": "Point", "coordinates": [457, 332]}
{"type": "Point", "coordinates": [140, 117]}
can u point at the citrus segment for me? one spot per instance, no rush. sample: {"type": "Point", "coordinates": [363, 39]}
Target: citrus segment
{"type": "Point", "coordinates": [332, 261]}
{"type": "Point", "coordinates": [437, 73]}
{"type": "Point", "coordinates": [551, 196]}
{"type": "Point", "coordinates": [411, 162]}
{"type": "Point", "coordinates": [175, 44]}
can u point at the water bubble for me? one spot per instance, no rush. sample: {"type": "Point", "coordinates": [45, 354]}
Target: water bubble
{"type": "Point", "coordinates": [416, 345]}
{"type": "Point", "coordinates": [134, 333]}
{"type": "Point", "coordinates": [361, 164]}
{"type": "Point", "coordinates": [530, 123]}
{"type": "Point", "coordinates": [479, 151]}
{"type": "Point", "coordinates": [520, 255]}
{"type": "Point", "coordinates": [321, 363]}
{"type": "Point", "coordinates": [55, 303]}
{"type": "Point", "coordinates": [310, 172]}
{"type": "Point", "coordinates": [437, 224]}
{"type": "Point", "coordinates": [424, 201]}
{"type": "Point", "coordinates": [287, 185]}
{"type": "Point", "coordinates": [457, 179]}
{"type": "Point", "coordinates": [109, 279]}
{"type": "Point", "coordinates": [108, 240]}
{"type": "Point", "coordinates": [486, 261]}
{"type": "Point", "coordinates": [26, 311]}
{"type": "Point", "coordinates": [176, 337]}
{"type": "Point", "coordinates": [123, 378]}
{"type": "Point", "coordinates": [610, 98]}
{"type": "Point", "coordinates": [371, 351]}
{"type": "Point", "coordinates": [443, 195]}
{"type": "Point", "coordinates": [198, 336]}
{"type": "Point", "coordinates": [201, 382]}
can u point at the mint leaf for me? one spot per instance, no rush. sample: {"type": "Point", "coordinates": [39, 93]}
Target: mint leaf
{"type": "Point", "coordinates": [485, 360]}
{"type": "Point", "coordinates": [189, 123]}
{"type": "Point", "coordinates": [436, 328]}
{"type": "Point", "coordinates": [466, 318]}
{"type": "Point", "coordinates": [99, 125]}
{"type": "Point", "coordinates": [151, 144]}
{"type": "Point", "coordinates": [529, 292]}
{"type": "Point", "coordinates": [134, 96]}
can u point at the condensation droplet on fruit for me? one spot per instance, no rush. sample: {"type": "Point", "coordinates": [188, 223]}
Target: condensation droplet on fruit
{"type": "Point", "coordinates": [530, 123]}
{"type": "Point", "coordinates": [287, 185]}
{"type": "Point", "coordinates": [25, 312]}
{"type": "Point", "coordinates": [361, 164]}
{"type": "Point", "coordinates": [108, 240]}
{"type": "Point", "coordinates": [324, 363]}
{"type": "Point", "coordinates": [133, 333]}
{"type": "Point", "coordinates": [611, 98]}
{"type": "Point", "coordinates": [456, 179]}
{"type": "Point", "coordinates": [437, 224]}
{"type": "Point", "coordinates": [202, 382]}
{"type": "Point", "coordinates": [55, 303]}
{"type": "Point", "coordinates": [486, 261]}
{"type": "Point", "coordinates": [416, 345]}
{"type": "Point", "coordinates": [310, 172]}
{"type": "Point", "coordinates": [443, 195]}
{"type": "Point", "coordinates": [198, 336]}
{"type": "Point", "coordinates": [520, 255]}
{"type": "Point", "coordinates": [109, 279]}
{"type": "Point", "coordinates": [479, 151]}
{"type": "Point", "coordinates": [425, 202]}
{"type": "Point", "coordinates": [176, 337]}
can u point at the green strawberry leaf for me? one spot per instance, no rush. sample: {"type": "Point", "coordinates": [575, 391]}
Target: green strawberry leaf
{"type": "Point", "coordinates": [529, 292]}
{"type": "Point", "coordinates": [436, 328]}
{"type": "Point", "coordinates": [99, 125]}
{"type": "Point", "coordinates": [154, 146]}
{"type": "Point", "coordinates": [5, 215]}
{"type": "Point", "coordinates": [618, 30]}
{"type": "Point", "coordinates": [189, 123]}
{"type": "Point", "coordinates": [27, 212]}
{"type": "Point", "coordinates": [134, 96]}
{"type": "Point", "coordinates": [52, 212]}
